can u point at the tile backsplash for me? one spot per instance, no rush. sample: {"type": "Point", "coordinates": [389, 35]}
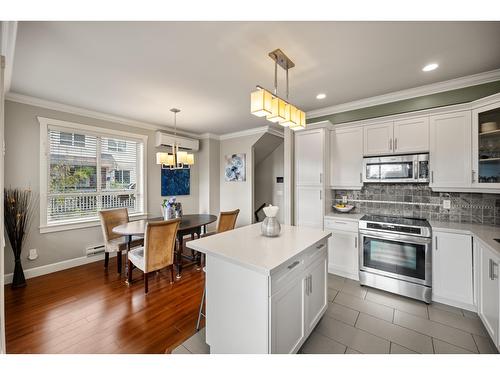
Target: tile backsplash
{"type": "Point", "coordinates": [417, 200]}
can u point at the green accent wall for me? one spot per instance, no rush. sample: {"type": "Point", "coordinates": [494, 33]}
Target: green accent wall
{"type": "Point", "coordinates": [458, 96]}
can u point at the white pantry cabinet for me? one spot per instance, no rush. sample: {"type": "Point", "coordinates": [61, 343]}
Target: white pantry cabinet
{"type": "Point", "coordinates": [408, 135]}
{"type": "Point", "coordinates": [452, 272]}
{"type": "Point", "coordinates": [343, 247]}
{"type": "Point", "coordinates": [346, 158]}
{"type": "Point", "coordinates": [489, 291]}
{"type": "Point", "coordinates": [309, 207]}
{"type": "Point", "coordinates": [309, 178]}
{"type": "Point", "coordinates": [309, 157]}
{"type": "Point", "coordinates": [450, 150]}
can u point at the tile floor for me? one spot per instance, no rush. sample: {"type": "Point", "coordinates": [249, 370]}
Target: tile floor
{"type": "Point", "coordinates": [365, 320]}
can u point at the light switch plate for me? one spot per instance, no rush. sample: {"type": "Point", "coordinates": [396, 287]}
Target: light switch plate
{"type": "Point", "coordinates": [446, 204]}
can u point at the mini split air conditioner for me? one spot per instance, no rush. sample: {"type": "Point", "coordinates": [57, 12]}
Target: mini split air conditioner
{"type": "Point", "coordinates": [164, 139]}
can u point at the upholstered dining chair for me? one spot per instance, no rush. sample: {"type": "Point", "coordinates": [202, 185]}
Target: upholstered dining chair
{"type": "Point", "coordinates": [114, 242]}
{"type": "Point", "coordinates": [157, 252]}
{"type": "Point", "coordinates": [227, 221]}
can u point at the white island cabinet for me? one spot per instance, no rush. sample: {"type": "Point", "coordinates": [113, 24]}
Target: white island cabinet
{"type": "Point", "coordinates": [263, 295]}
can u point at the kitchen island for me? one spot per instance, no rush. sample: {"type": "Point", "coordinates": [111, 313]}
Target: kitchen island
{"type": "Point", "coordinates": [263, 294]}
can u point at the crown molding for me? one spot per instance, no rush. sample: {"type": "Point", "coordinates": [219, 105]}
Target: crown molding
{"type": "Point", "coordinates": [8, 46]}
{"type": "Point", "coordinates": [260, 130]}
{"type": "Point", "coordinates": [433, 88]}
{"type": "Point", "coordinates": [210, 136]}
{"type": "Point", "coordinates": [48, 104]}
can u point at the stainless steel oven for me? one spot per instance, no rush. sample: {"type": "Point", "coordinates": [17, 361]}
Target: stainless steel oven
{"type": "Point", "coordinates": [395, 255]}
{"type": "Point", "coordinates": [396, 169]}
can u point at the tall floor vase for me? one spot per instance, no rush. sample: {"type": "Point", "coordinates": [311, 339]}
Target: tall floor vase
{"type": "Point", "coordinates": [18, 280]}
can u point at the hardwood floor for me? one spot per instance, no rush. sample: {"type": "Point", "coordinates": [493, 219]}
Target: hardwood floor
{"type": "Point", "coordinates": [88, 309]}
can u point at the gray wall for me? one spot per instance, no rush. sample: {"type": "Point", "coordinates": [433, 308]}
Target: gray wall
{"type": "Point", "coordinates": [463, 95]}
{"type": "Point", "coordinates": [418, 200]}
{"type": "Point", "coordinates": [235, 195]}
{"type": "Point", "coordinates": [209, 175]}
{"type": "Point", "coordinates": [267, 190]}
{"type": "Point", "coordinates": [22, 138]}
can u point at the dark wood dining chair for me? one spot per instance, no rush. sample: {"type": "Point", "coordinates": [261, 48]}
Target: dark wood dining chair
{"type": "Point", "coordinates": [227, 221]}
{"type": "Point", "coordinates": [157, 252]}
{"type": "Point", "coordinates": [114, 242]}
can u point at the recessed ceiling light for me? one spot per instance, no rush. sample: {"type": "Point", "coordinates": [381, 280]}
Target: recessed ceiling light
{"type": "Point", "coordinates": [321, 96]}
{"type": "Point", "coordinates": [430, 67]}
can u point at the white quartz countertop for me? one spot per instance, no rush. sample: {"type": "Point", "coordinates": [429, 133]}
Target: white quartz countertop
{"type": "Point", "coordinates": [485, 233]}
{"type": "Point", "coordinates": [246, 246]}
{"type": "Point", "coordinates": [344, 216]}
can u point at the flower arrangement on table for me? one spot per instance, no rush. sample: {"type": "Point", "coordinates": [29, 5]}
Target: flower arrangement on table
{"type": "Point", "coordinates": [171, 208]}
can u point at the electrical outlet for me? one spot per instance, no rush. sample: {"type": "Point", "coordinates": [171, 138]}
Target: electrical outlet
{"type": "Point", "coordinates": [33, 254]}
{"type": "Point", "coordinates": [446, 204]}
{"type": "Point", "coordinates": [344, 199]}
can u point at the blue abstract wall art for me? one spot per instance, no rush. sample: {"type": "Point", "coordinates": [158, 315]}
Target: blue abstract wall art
{"type": "Point", "coordinates": [175, 182]}
{"type": "Point", "coordinates": [235, 167]}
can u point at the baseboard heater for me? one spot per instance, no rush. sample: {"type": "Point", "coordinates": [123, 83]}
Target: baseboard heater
{"type": "Point", "coordinates": [94, 250]}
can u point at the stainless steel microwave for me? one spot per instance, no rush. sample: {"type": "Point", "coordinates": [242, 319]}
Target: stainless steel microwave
{"type": "Point", "coordinates": [396, 169]}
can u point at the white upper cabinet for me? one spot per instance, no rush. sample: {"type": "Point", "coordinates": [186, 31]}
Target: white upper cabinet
{"type": "Point", "coordinates": [346, 158]}
{"type": "Point", "coordinates": [450, 151]}
{"type": "Point", "coordinates": [405, 136]}
{"type": "Point", "coordinates": [411, 135]}
{"type": "Point", "coordinates": [486, 146]}
{"type": "Point", "coordinates": [309, 207]}
{"type": "Point", "coordinates": [309, 157]}
{"type": "Point", "coordinates": [452, 273]}
{"type": "Point", "coordinates": [378, 139]}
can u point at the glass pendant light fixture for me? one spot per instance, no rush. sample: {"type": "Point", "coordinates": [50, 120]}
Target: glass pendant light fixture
{"type": "Point", "coordinates": [277, 110]}
{"type": "Point", "coordinates": [177, 159]}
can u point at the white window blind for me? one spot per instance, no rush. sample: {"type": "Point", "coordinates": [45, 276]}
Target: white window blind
{"type": "Point", "coordinates": [89, 172]}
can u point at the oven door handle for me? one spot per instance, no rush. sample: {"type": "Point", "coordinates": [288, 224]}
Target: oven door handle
{"type": "Point", "coordinates": [395, 237]}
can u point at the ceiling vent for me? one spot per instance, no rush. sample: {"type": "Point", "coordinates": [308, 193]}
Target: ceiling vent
{"type": "Point", "coordinates": [164, 139]}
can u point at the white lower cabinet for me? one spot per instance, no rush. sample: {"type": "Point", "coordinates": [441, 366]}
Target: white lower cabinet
{"type": "Point", "coordinates": [287, 318]}
{"type": "Point", "coordinates": [343, 248]}
{"type": "Point", "coordinates": [315, 292]}
{"type": "Point", "coordinates": [489, 291]}
{"type": "Point", "coordinates": [299, 301]}
{"type": "Point", "coordinates": [452, 272]}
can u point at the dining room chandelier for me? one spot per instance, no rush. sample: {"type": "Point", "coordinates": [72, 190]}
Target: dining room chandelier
{"type": "Point", "coordinates": [276, 109]}
{"type": "Point", "coordinates": [176, 159]}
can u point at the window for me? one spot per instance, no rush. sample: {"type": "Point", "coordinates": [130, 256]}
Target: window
{"type": "Point", "coordinates": [72, 139]}
{"type": "Point", "coordinates": [85, 172]}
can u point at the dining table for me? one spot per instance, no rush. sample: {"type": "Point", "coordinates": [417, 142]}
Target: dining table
{"type": "Point", "coordinates": [193, 225]}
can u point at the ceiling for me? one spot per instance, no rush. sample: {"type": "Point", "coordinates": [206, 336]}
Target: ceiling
{"type": "Point", "coordinates": [140, 70]}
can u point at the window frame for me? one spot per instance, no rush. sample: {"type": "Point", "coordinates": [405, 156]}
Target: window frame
{"type": "Point", "coordinates": [48, 123]}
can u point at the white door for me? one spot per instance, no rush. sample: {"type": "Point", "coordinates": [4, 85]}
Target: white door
{"type": "Point", "coordinates": [309, 157]}
{"type": "Point", "coordinates": [346, 158]}
{"type": "Point", "coordinates": [316, 292]}
{"type": "Point", "coordinates": [489, 286]}
{"type": "Point", "coordinates": [378, 139]}
{"type": "Point", "coordinates": [309, 208]}
{"type": "Point", "coordinates": [450, 151]}
{"type": "Point", "coordinates": [287, 318]}
{"type": "Point", "coordinates": [411, 135]}
{"type": "Point", "coordinates": [452, 269]}
{"type": "Point", "coordinates": [343, 254]}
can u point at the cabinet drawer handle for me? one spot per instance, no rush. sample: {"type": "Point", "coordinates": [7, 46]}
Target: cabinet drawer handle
{"type": "Point", "coordinates": [293, 265]}
{"type": "Point", "coordinates": [493, 265]}
{"type": "Point", "coordinates": [473, 176]}
{"type": "Point", "coordinates": [310, 284]}
{"type": "Point", "coordinates": [395, 143]}
{"type": "Point", "coordinates": [361, 177]}
{"type": "Point", "coordinates": [320, 246]}
{"type": "Point", "coordinates": [390, 144]}
{"type": "Point", "coordinates": [436, 243]}
{"type": "Point", "coordinates": [340, 222]}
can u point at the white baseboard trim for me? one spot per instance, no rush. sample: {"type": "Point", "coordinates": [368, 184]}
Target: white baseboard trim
{"type": "Point", "coordinates": [59, 266]}
{"type": "Point", "coordinates": [339, 272]}
{"type": "Point", "coordinates": [450, 302]}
